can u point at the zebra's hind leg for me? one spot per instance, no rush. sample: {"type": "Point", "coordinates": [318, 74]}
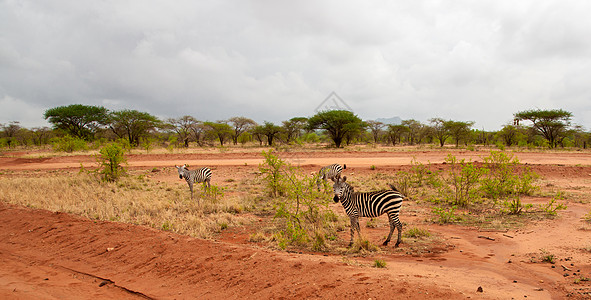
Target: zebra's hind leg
{"type": "Point", "coordinates": [389, 235]}
{"type": "Point", "coordinates": [394, 223]}
{"type": "Point", "coordinates": [399, 228]}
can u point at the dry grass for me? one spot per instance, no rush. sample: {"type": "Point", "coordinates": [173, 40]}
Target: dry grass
{"type": "Point", "coordinates": [134, 200]}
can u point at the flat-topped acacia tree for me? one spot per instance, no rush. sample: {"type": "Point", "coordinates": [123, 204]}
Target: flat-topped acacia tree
{"type": "Point", "coordinates": [551, 124]}
{"type": "Point", "coordinates": [337, 123]}
{"type": "Point", "coordinates": [78, 120]}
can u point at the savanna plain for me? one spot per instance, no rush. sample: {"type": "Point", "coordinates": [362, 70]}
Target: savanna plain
{"type": "Point", "coordinates": [65, 234]}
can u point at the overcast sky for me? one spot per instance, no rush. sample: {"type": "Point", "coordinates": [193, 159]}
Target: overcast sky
{"type": "Point", "coordinates": [478, 61]}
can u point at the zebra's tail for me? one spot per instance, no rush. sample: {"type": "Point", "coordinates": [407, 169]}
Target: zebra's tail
{"type": "Point", "coordinates": [399, 192]}
{"type": "Point", "coordinates": [344, 166]}
{"type": "Point", "coordinates": [393, 187]}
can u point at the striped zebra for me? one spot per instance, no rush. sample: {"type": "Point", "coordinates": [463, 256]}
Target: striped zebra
{"type": "Point", "coordinates": [330, 172]}
{"type": "Point", "coordinates": [372, 204]}
{"type": "Point", "coordinates": [199, 175]}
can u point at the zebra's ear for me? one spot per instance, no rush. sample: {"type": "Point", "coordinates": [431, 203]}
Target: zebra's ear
{"type": "Point", "coordinates": [344, 178]}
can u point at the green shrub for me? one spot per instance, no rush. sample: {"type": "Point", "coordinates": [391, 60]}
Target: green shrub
{"type": "Point", "coordinates": [301, 210]}
{"type": "Point", "coordinates": [68, 144]}
{"type": "Point", "coordinates": [513, 205]}
{"type": "Point", "coordinates": [446, 215]}
{"type": "Point", "coordinates": [503, 178]}
{"type": "Point", "coordinates": [378, 263]}
{"type": "Point", "coordinates": [551, 208]}
{"type": "Point", "coordinates": [463, 182]}
{"type": "Point", "coordinates": [110, 159]}
{"type": "Point", "coordinates": [272, 171]}
{"type": "Point", "coordinates": [416, 232]}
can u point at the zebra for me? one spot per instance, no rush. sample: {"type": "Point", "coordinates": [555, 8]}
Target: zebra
{"type": "Point", "coordinates": [198, 175]}
{"type": "Point", "coordinates": [371, 204]}
{"type": "Point", "coordinates": [329, 172]}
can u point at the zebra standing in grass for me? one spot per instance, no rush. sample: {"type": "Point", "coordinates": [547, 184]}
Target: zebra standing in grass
{"type": "Point", "coordinates": [330, 172]}
{"type": "Point", "coordinates": [372, 204]}
{"type": "Point", "coordinates": [199, 175]}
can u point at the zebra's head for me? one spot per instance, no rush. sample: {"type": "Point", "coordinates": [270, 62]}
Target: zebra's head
{"type": "Point", "coordinates": [340, 187]}
{"type": "Point", "coordinates": [182, 169]}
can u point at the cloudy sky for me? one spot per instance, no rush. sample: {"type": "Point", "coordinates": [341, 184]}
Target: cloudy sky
{"type": "Point", "coordinates": [478, 61]}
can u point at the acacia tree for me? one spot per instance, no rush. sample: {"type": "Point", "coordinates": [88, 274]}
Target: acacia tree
{"type": "Point", "coordinates": [376, 129]}
{"type": "Point", "coordinates": [440, 130]}
{"type": "Point", "coordinates": [459, 130]}
{"type": "Point", "coordinates": [415, 131]}
{"type": "Point", "coordinates": [240, 125]}
{"type": "Point", "coordinates": [509, 134]}
{"type": "Point", "coordinates": [184, 128]}
{"type": "Point", "coordinates": [219, 129]}
{"type": "Point", "coordinates": [337, 123]}
{"type": "Point", "coordinates": [551, 124]}
{"type": "Point", "coordinates": [293, 128]}
{"type": "Point", "coordinates": [395, 133]}
{"type": "Point", "coordinates": [41, 135]}
{"type": "Point", "coordinates": [10, 132]}
{"type": "Point", "coordinates": [78, 120]}
{"type": "Point", "coordinates": [132, 124]}
{"type": "Point", "coordinates": [269, 130]}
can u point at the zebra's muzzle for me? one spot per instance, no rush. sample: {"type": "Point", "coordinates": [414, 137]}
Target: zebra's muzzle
{"type": "Point", "coordinates": [181, 176]}
{"type": "Point", "coordinates": [336, 198]}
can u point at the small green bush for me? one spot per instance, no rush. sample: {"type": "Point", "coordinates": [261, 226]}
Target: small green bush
{"type": "Point", "coordinates": [551, 208]}
{"type": "Point", "coordinates": [463, 182]}
{"type": "Point", "coordinates": [446, 215]}
{"type": "Point", "coordinates": [378, 263]}
{"type": "Point", "coordinates": [110, 159]}
{"type": "Point", "coordinates": [68, 144]}
{"type": "Point", "coordinates": [416, 232]}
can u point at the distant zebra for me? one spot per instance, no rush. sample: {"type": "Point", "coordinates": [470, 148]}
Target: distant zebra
{"type": "Point", "coordinates": [199, 175]}
{"type": "Point", "coordinates": [372, 204]}
{"type": "Point", "coordinates": [330, 172]}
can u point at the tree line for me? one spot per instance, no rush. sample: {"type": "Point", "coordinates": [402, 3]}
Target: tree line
{"type": "Point", "coordinates": [531, 128]}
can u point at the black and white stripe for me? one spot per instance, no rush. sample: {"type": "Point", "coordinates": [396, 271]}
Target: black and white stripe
{"type": "Point", "coordinates": [372, 204]}
{"type": "Point", "coordinates": [330, 172]}
{"type": "Point", "coordinates": [198, 175]}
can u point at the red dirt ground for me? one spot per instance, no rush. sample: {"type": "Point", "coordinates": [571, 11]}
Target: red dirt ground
{"type": "Point", "coordinates": [46, 255]}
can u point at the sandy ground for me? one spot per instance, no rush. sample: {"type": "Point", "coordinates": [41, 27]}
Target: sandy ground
{"type": "Point", "coordinates": [46, 255]}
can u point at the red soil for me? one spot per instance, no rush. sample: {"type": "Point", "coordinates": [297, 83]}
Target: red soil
{"type": "Point", "coordinates": [46, 255]}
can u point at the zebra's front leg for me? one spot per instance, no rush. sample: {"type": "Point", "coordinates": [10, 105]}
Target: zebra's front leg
{"type": "Point", "coordinates": [191, 188]}
{"type": "Point", "coordinates": [354, 227]}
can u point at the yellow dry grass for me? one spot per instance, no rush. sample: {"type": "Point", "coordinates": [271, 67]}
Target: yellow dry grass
{"type": "Point", "coordinates": [133, 199]}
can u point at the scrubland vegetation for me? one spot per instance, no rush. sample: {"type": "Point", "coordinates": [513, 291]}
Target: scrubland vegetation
{"type": "Point", "coordinates": [487, 194]}
{"type": "Point", "coordinates": [296, 215]}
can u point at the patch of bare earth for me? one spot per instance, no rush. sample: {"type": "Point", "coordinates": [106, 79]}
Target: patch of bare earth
{"type": "Point", "coordinates": [46, 255]}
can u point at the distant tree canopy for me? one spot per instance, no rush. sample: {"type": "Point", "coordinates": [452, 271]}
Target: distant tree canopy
{"type": "Point", "coordinates": [337, 123]}
{"type": "Point", "coordinates": [549, 128]}
{"type": "Point", "coordinates": [269, 130]}
{"type": "Point", "coordinates": [551, 124]}
{"type": "Point", "coordinates": [132, 124]}
{"type": "Point", "coordinates": [78, 120]}
{"type": "Point", "coordinates": [220, 130]}
{"type": "Point", "coordinates": [240, 125]}
{"type": "Point", "coordinates": [293, 128]}
{"type": "Point", "coordinates": [184, 127]}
